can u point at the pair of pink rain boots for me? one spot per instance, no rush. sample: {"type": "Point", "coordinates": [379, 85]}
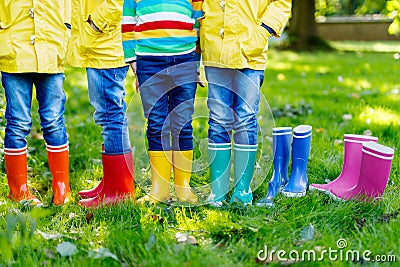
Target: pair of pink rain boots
{"type": "Point", "coordinates": [365, 172]}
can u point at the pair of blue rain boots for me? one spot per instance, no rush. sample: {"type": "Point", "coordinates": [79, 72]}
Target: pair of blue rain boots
{"type": "Point", "coordinates": [296, 184]}
{"type": "Point", "coordinates": [244, 160]}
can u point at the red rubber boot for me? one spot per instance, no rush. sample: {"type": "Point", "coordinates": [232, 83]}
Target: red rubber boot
{"type": "Point", "coordinates": [118, 181]}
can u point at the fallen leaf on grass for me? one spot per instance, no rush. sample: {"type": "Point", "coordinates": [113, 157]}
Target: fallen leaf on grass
{"type": "Point", "coordinates": [318, 248]}
{"type": "Point", "coordinates": [347, 117]}
{"type": "Point", "coordinates": [255, 230]}
{"type": "Point", "coordinates": [101, 253]}
{"type": "Point", "coordinates": [361, 222]}
{"type": "Point", "coordinates": [354, 95]}
{"type": "Point", "coordinates": [151, 242]}
{"type": "Point", "coordinates": [36, 135]}
{"type": "Point", "coordinates": [66, 249]}
{"type": "Point", "coordinates": [306, 234]}
{"type": "Point", "coordinates": [185, 238]}
{"type": "Point", "coordinates": [49, 253]}
{"type": "Point", "coordinates": [49, 236]}
{"type": "Point", "coordinates": [266, 261]}
{"type": "Point", "coordinates": [368, 132]}
{"type": "Point", "coordinates": [290, 262]}
{"type": "Point", "coordinates": [299, 242]}
{"type": "Point", "coordinates": [389, 216]}
{"type": "Point", "coordinates": [156, 218]}
{"type": "Point", "coordinates": [89, 216]}
{"type": "Point", "coordinates": [274, 260]}
{"type": "Point", "coordinates": [337, 142]}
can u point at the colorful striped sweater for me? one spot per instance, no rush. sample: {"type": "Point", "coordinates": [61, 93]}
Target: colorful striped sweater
{"type": "Point", "coordinates": [160, 27]}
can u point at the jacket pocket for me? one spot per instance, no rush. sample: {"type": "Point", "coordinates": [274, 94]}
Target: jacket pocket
{"type": "Point", "coordinates": [66, 17]}
{"type": "Point", "coordinates": [256, 44]}
{"type": "Point", "coordinates": [95, 43]}
{"type": "Point", "coordinates": [202, 32]}
{"type": "Point", "coordinates": [7, 51]}
{"type": "Point", "coordinates": [9, 11]}
{"type": "Point", "coordinates": [5, 16]}
{"type": "Point", "coordinates": [89, 38]}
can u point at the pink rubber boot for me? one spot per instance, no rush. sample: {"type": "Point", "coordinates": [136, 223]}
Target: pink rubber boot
{"type": "Point", "coordinates": [375, 167]}
{"type": "Point", "coordinates": [351, 163]}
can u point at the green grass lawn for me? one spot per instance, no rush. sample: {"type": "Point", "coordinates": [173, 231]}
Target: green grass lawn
{"type": "Point", "coordinates": [300, 88]}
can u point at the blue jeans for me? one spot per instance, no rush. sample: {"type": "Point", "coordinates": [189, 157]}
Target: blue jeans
{"type": "Point", "coordinates": [167, 89]}
{"type": "Point", "coordinates": [233, 99]}
{"type": "Point", "coordinates": [106, 95]}
{"type": "Point", "coordinates": [51, 97]}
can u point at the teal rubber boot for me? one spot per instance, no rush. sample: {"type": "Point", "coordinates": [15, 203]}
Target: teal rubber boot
{"type": "Point", "coordinates": [220, 159]}
{"type": "Point", "coordinates": [244, 160]}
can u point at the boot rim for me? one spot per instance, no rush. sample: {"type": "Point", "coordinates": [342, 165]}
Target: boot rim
{"type": "Point", "coordinates": [16, 151]}
{"type": "Point", "coordinates": [287, 130]}
{"type": "Point", "coordinates": [356, 138]}
{"type": "Point", "coordinates": [378, 150]}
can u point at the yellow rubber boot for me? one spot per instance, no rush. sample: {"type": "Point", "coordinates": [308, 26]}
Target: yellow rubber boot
{"type": "Point", "coordinates": [182, 161]}
{"type": "Point", "coordinates": [161, 164]}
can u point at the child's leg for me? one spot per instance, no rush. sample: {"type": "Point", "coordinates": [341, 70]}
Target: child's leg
{"type": "Point", "coordinates": [18, 91]}
{"type": "Point", "coordinates": [158, 136]}
{"type": "Point", "coordinates": [51, 98]}
{"type": "Point", "coordinates": [154, 84]}
{"type": "Point", "coordinates": [246, 100]}
{"type": "Point", "coordinates": [220, 104]}
{"type": "Point", "coordinates": [106, 94]}
{"type": "Point", "coordinates": [181, 106]}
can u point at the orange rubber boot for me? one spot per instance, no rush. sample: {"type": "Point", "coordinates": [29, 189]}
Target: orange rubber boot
{"type": "Point", "coordinates": [58, 163]}
{"type": "Point", "coordinates": [17, 175]}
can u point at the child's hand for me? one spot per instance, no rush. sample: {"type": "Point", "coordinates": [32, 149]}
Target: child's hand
{"type": "Point", "coordinates": [199, 81]}
{"type": "Point", "coordinates": [91, 23]}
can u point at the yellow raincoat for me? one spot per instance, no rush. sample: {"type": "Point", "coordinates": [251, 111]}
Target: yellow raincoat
{"type": "Point", "coordinates": [88, 48]}
{"type": "Point", "coordinates": [231, 35]}
{"type": "Point", "coordinates": [33, 35]}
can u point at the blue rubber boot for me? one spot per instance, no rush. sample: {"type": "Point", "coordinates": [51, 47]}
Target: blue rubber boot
{"type": "Point", "coordinates": [220, 159]}
{"type": "Point", "coordinates": [281, 140]}
{"type": "Point", "coordinates": [298, 181]}
{"type": "Point", "coordinates": [244, 160]}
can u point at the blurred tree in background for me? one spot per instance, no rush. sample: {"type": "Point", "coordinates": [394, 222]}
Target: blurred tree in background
{"type": "Point", "coordinates": [350, 7]}
{"type": "Point", "coordinates": [393, 8]}
{"type": "Point", "coordinates": [302, 31]}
